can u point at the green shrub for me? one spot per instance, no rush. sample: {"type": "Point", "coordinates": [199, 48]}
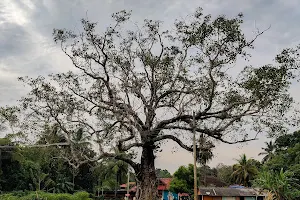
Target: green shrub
{"type": "Point", "coordinates": [44, 196]}
{"type": "Point", "coordinates": [82, 195]}
{"type": "Point", "coordinates": [9, 197]}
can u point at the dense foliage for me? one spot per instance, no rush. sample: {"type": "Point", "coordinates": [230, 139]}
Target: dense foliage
{"type": "Point", "coordinates": [42, 169]}
{"type": "Point", "coordinates": [38, 168]}
{"type": "Point", "coordinates": [183, 178]}
{"type": "Point", "coordinates": [278, 173]}
{"type": "Point", "coordinates": [224, 173]}
{"type": "Point", "coordinates": [45, 196]}
{"type": "Point", "coordinates": [282, 184]}
{"type": "Point", "coordinates": [281, 174]}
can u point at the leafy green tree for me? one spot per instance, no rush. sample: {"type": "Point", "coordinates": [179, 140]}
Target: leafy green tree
{"type": "Point", "coordinates": [268, 151]}
{"type": "Point", "coordinates": [183, 179]}
{"type": "Point", "coordinates": [286, 141]}
{"type": "Point", "coordinates": [41, 167]}
{"type": "Point", "coordinates": [244, 171]}
{"type": "Point", "coordinates": [281, 184]}
{"type": "Point", "coordinates": [288, 160]}
{"type": "Point", "coordinates": [134, 89]}
{"type": "Point", "coordinates": [208, 171]}
{"type": "Point", "coordinates": [204, 172]}
{"type": "Point", "coordinates": [163, 173]}
{"type": "Point", "coordinates": [224, 173]}
{"type": "Point", "coordinates": [179, 186]}
{"type": "Point", "coordinates": [34, 165]}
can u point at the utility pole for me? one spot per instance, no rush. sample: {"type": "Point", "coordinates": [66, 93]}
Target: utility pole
{"type": "Point", "coordinates": [128, 172]}
{"type": "Point", "coordinates": [128, 177]}
{"type": "Point", "coordinates": [199, 161]}
{"type": "Point", "coordinates": [195, 157]}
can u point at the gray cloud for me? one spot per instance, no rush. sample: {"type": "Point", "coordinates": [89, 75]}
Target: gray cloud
{"type": "Point", "coordinates": [26, 46]}
{"type": "Point", "coordinates": [14, 40]}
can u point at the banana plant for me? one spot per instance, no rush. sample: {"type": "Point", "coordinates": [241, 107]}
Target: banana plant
{"type": "Point", "coordinates": [40, 180]}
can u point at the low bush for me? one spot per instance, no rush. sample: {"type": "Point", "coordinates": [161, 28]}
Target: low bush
{"type": "Point", "coordinates": [46, 196]}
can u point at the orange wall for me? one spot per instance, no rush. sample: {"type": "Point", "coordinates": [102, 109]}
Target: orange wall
{"type": "Point", "coordinates": [212, 198]}
{"type": "Point", "coordinates": [217, 198]}
{"type": "Point", "coordinates": [207, 198]}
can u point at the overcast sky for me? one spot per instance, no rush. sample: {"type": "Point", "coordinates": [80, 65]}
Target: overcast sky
{"type": "Point", "coordinates": [27, 48]}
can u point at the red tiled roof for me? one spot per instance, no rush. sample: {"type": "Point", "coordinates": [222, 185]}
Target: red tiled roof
{"type": "Point", "coordinates": [166, 182]}
{"type": "Point", "coordinates": [125, 184]}
{"type": "Point", "coordinates": [161, 187]}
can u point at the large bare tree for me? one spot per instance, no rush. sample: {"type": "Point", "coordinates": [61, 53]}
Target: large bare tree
{"type": "Point", "coordinates": [133, 89]}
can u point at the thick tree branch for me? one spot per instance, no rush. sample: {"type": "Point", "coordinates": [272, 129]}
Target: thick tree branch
{"type": "Point", "coordinates": [129, 146]}
{"type": "Point", "coordinates": [133, 164]}
{"type": "Point", "coordinates": [216, 134]}
{"type": "Point", "coordinates": [213, 87]}
{"type": "Point", "coordinates": [175, 139]}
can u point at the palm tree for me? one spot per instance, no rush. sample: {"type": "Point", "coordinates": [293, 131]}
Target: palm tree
{"type": "Point", "coordinates": [268, 151]}
{"type": "Point", "coordinates": [119, 169]}
{"type": "Point", "coordinates": [270, 196]}
{"type": "Point", "coordinates": [281, 184]}
{"type": "Point", "coordinates": [244, 171]}
{"type": "Point", "coordinates": [40, 180]}
{"type": "Point", "coordinates": [204, 154]}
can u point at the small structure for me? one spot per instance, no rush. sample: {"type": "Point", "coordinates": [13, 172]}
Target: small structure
{"type": "Point", "coordinates": [233, 193]}
{"type": "Point", "coordinates": [163, 187]}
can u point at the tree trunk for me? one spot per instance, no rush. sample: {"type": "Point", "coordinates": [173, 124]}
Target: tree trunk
{"type": "Point", "coordinates": [116, 185]}
{"type": "Point", "coordinates": [73, 181]}
{"type": "Point", "coordinates": [146, 177]}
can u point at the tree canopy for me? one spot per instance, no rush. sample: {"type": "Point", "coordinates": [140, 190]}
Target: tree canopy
{"type": "Point", "coordinates": [285, 141]}
{"type": "Point", "coordinates": [133, 89]}
{"type": "Point", "coordinates": [163, 173]}
{"type": "Point", "coordinates": [280, 173]}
